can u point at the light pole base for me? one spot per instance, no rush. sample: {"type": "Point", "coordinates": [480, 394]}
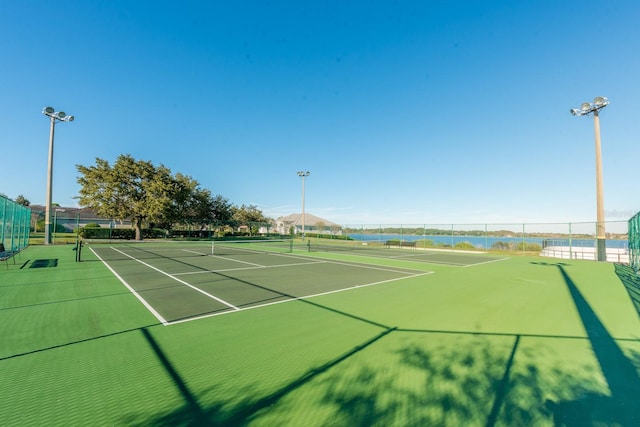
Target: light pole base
{"type": "Point", "coordinates": [47, 234]}
{"type": "Point", "coordinates": [602, 249]}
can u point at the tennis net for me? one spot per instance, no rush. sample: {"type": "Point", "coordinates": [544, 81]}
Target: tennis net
{"type": "Point", "coordinates": [244, 247]}
{"type": "Point", "coordinates": [347, 245]}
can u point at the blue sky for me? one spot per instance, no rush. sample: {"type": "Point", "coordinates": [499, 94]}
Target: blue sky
{"type": "Point", "coordinates": [414, 112]}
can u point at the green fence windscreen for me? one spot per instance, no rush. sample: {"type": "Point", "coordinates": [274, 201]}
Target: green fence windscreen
{"type": "Point", "coordinates": [634, 242]}
{"type": "Point", "coordinates": [15, 221]}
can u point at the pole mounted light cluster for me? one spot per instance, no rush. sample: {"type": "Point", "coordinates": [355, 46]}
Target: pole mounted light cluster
{"type": "Point", "coordinates": [55, 116]}
{"type": "Point", "coordinates": [303, 175]}
{"type": "Point", "coordinates": [590, 107]}
{"type": "Point", "coordinates": [585, 109]}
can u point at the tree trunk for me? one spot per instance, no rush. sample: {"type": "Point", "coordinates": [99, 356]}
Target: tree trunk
{"type": "Point", "coordinates": [138, 227]}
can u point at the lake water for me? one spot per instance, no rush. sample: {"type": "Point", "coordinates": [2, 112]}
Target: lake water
{"type": "Point", "coordinates": [482, 242]}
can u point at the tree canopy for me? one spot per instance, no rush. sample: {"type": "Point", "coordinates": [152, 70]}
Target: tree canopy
{"type": "Point", "coordinates": [145, 193]}
{"type": "Point", "coordinates": [21, 200]}
{"type": "Point", "coordinates": [248, 216]}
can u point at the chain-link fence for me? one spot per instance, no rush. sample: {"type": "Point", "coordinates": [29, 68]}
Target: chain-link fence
{"type": "Point", "coordinates": [558, 240]}
{"type": "Point", "coordinates": [15, 220]}
{"type": "Point", "coordinates": [634, 242]}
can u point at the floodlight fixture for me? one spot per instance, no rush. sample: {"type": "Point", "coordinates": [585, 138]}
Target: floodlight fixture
{"type": "Point", "coordinates": [585, 109]}
{"type": "Point", "coordinates": [60, 116]}
{"type": "Point", "coordinates": [303, 175]}
{"type": "Point", "coordinates": [54, 116]}
{"type": "Point", "coordinates": [601, 101]}
{"type": "Point", "coordinates": [590, 107]}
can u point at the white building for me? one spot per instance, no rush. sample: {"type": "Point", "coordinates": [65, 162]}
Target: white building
{"type": "Point", "coordinates": [312, 224]}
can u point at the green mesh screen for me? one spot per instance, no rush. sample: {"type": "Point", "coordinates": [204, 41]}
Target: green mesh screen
{"type": "Point", "coordinates": [634, 242]}
{"type": "Point", "coordinates": [15, 221]}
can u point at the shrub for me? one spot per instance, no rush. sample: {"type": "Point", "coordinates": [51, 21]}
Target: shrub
{"type": "Point", "coordinates": [502, 246]}
{"type": "Point", "coordinates": [425, 243]}
{"type": "Point", "coordinates": [464, 245]}
{"type": "Point", "coordinates": [529, 247]}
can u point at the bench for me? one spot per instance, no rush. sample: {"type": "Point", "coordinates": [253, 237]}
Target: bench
{"type": "Point", "coordinates": [6, 255]}
{"type": "Point", "coordinates": [399, 244]}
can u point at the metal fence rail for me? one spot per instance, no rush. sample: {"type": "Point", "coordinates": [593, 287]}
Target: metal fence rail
{"type": "Point", "coordinates": [570, 240]}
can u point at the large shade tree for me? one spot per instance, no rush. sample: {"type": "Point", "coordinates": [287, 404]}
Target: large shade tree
{"type": "Point", "coordinates": [194, 206]}
{"type": "Point", "coordinates": [222, 210]}
{"type": "Point", "coordinates": [249, 216]}
{"type": "Point", "coordinates": [128, 189]}
{"type": "Point", "coordinates": [188, 204]}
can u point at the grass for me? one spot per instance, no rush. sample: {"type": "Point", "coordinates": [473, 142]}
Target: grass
{"type": "Point", "coordinates": [526, 341]}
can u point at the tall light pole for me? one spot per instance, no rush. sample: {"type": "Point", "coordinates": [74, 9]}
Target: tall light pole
{"type": "Point", "coordinates": [303, 175]}
{"type": "Point", "coordinates": [585, 109]}
{"type": "Point", "coordinates": [55, 116]}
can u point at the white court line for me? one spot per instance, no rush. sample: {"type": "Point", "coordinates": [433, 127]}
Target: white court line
{"type": "Point", "coordinates": [194, 252]}
{"type": "Point", "coordinates": [331, 261]}
{"type": "Point", "coordinates": [371, 267]}
{"type": "Point", "coordinates": [226, 258]}
{"type": "Point", "coordinates": [486, 262]}
{"type": "Point", "coordinates": [351, 264]}
{"type": "Point", "coordinates": [178, 280]}
{"type": "Point", "coordinates": [133, 291]}
{"type": "Point", "coordinates": [248, 268]}
{"type": "Point", "coordinates": [401, 258]}
{"type": "Point", "coordinates": [297, 298]}
{"type": "Point", "coordinates": [454, 264]}
{"type": "Point", "coordinates": [237, 260]}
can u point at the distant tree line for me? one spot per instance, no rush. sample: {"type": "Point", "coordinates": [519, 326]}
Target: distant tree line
{"type": "Point", "coordinates": [418, 231]}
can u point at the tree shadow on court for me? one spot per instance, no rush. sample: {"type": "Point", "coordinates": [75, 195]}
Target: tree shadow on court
{"type": "Point", "coordinates": [411, 377]}
{"type": "Point", "coordinates": [424, 377]}
{"type": "Point", "coordinates": [230, 412]}
{"type": "Point", "coordinates": [631, 282]}
{"type": "Point", "coordinates": [473, 382]}
{"type": "Point", "coordinates": [619, 371]}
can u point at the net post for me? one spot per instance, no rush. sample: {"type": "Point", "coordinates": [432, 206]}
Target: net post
{"type": "Point", "coordinates": [78, 250]}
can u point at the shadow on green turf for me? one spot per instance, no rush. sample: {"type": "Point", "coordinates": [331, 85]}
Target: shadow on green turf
{"type": "Point", "coordinates": [64, 301]}
{"type": "Point", "coordinates": [518, 397]}
{"type": "Point", "coordinates": [631, 281]}
{"type": "Point", "coordinates": [620, 408]}
{"type": "Point", "coordinates": [67, 344]}
{"type": "Point", "coordinates": [197, 415]}
{"type": "Point", "coordinates": [44, 263]}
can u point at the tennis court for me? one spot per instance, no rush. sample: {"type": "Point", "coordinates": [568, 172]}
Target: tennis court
{"type": "Point", "coordinates": [314, 338]}
{"type": "Point", "coordinates": [432, 256]}
{"type": "Point", "coordinates": [178, 281]}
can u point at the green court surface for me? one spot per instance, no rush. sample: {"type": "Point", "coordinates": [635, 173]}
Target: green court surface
{"type": "Point", "coordinates": [139, 337]}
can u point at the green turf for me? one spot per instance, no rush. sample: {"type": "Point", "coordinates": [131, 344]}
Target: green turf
{"type": "Point", "coordinates": [524, 341]}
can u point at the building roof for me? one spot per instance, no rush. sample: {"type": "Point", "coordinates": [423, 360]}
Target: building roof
{"type": "Point", "coordinates": [309, 220]}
